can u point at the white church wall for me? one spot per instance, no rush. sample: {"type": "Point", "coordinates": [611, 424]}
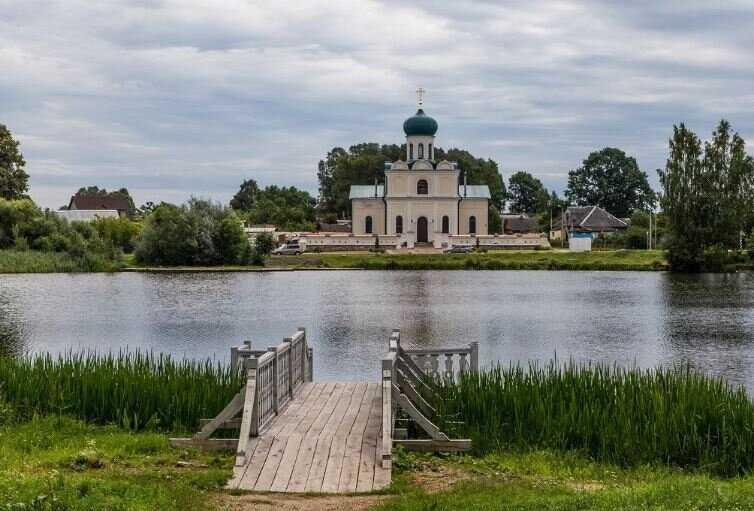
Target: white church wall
{"type": "Point", "coordinates": [362, 208]}
{"type": "Point", "coordinates": [476, 208]}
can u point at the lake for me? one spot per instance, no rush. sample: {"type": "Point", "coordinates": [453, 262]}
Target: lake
{"type": "Point", "coordinates": [618, 317]}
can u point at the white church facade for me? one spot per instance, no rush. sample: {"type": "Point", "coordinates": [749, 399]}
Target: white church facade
{"type": "Point", "coordinates": [421, 200]}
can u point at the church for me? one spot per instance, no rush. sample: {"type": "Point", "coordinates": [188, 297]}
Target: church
{"type": "Point", "coordinates": [422, 201]}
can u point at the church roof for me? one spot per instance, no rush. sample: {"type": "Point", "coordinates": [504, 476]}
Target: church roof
{"type": "Point", "coordinates": [420, 124]}
{"type": "Point", "coordinates": [366, 192]}
{"type": "Point", "coordinates": [475, 191]}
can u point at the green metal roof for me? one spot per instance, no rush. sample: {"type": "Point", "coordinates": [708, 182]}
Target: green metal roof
{"type": "Point", "coordinates": [420, 124]}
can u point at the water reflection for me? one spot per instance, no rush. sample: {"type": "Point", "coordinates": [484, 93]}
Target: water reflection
{"type": "Point", "coordinates": [628, 318]}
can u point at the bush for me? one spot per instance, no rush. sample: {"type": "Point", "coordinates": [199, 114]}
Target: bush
{"type": "Point", "coordinates": [198, 233]}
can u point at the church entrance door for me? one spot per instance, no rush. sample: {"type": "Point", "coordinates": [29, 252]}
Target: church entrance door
{"type": "Point", "coordinates": [421, 230]}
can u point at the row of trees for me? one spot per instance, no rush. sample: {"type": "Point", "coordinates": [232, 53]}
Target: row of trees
{"type": "Point", "coordinates": [707, 197]}
{"type": "Point", "coordinates": [286, 207]}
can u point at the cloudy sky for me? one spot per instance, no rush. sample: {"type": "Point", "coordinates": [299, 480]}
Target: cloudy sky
{"type": "Point", "coordinates": [177, 98]}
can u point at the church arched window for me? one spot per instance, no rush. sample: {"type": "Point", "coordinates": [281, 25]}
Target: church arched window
{"type": "Point", "coordinates": [429, 151]}
{"type": "Point", "coordinates": [399, 224]}
{"type": "Point", "coordinates": [421, 151]}
{"type": "Point", "coordinates": [422, 187]}
{"type": "Point", "coordinates": [368, 225]}
{"type": "Point", "coordinates": [472, 225]}
{"type": "Point", "coordinates": [445, 224]}
{"type": "Point", "coordinates": [410, 151]}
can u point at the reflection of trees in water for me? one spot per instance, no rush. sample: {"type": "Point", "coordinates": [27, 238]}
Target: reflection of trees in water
{"type": "Point", "coordinates": [708, 322]}
{"type": "Point", "coordinates": [11, 330]}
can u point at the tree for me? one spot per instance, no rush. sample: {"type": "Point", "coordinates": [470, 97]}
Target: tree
{"type": "Point", "coordinates": [14, 181]}
{"type": "Point", "coordinates": [527, 194]}
{"type": "Point", "coordinates": [286, 207]}
{"type": "Point", "coordinates": [494, 222]}
{"type": "Point", "coordinates": [264, 244]}
{"type": "Point", "coordinates": [231, 239]}
{"type": "Point", "coordinates": [706, 195]}
{"type": "Point", "coordinates": [611, 180]}
{"type": "Point", "coordinates": [246, 196]}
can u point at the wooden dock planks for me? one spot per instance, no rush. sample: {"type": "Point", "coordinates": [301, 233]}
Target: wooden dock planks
{"type": "Point", "coordinates": [327, 441]}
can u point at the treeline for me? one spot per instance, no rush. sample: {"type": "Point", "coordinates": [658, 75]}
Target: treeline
{"type": "Point", "coordinates": [707, 198]}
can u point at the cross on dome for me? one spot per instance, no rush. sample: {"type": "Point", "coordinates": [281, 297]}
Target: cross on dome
{"type": "Point", "coordinates": [420, 96]}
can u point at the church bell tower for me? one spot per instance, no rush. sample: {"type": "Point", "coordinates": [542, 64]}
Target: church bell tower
{"type": "Point", "coordinates": [420, 132]}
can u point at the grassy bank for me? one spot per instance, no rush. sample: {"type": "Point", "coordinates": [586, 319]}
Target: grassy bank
{"type": "Point", "coordinates": [35, 261]}
{"type": "Point", "coordinates": [635, 260]}
{"type": "Point", "coordinates": [61, 464]}
{"type": "Point", "coordinates": [626, 417]}
{"type": "Point", "coordinates": [132, 390]}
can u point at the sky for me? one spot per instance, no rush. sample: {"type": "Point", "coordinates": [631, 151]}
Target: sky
{"type": "Point", "coordinates": [181, 98]}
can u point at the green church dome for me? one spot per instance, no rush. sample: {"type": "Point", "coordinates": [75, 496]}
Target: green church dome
{"type": "Point", "coordinates": [420, 124]}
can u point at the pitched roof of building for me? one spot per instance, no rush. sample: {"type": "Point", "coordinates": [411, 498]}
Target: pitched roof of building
{"type": "Point", "coordinates": [115, 202]}
{"type": "Point", "coordinates": [474, 191]}
{"type": "Point", "coordinates": [519, 223]}
{"type": "Point", "coordinates": [590, 218]}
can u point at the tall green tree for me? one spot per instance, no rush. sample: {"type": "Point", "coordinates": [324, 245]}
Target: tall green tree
{"type": "Point", "coordinates": [478, 171]}
{"type": "Point", "coordinates": [527, 194]}
{"type": "Point", "coordinates": [246, 196]}
{"type": "Point", "coordinates": [611, 180]}
{"type": "Point", "coordinates": [14, 181]}
{"type": "Point", "coordinates": [706, 194]}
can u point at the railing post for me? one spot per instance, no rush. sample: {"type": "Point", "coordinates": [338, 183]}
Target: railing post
{"type": "Point", "coordinates": [304, 353]}
{"type": "Point", "coordinates": [234, 359]}
{"type": "Point", "coordinates": [474, 356]}
{"type": "Point", "coordinates": [251, 375]}
{"type": "Point", "coordinates": [310, 358]}
{"type": "Point", "coordinates": [388, 364]}
{"type": "Point", "coordinates": [275, 381]}
{"type": "Point", "coordinates": [289, 366]}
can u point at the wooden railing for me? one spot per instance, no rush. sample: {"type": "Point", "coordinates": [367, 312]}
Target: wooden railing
{"type": "Point", "coordinates": [407, 384]}
{"type": "Point", "coordinates": [273, 376]}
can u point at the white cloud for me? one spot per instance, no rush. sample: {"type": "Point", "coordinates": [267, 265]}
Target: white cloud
{"type": "Point", "coordinates": [173, 98]}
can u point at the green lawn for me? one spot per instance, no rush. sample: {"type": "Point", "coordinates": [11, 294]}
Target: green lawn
{"type": "Point", "coordinates": [64, 464]}
{"type": "Point", "coordinates": [57, 465]}
{"type": "Point", "coordinates": [543, 480]}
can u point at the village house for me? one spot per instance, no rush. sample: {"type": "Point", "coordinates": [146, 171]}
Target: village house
{"type": "Point", "coordinates": [112, 202]}
{"type": "Point", "coordinates": [586, 220]}
{"type": "Point", "coordinates": [519, 224]}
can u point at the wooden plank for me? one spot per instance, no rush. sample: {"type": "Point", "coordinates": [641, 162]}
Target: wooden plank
{"type": "Point", "coordinates": [338, 447]}
{"type": "Point", "coordinates": [309, 445]}
{"type": "Point", "coordinates": [407, 388]}
{"type": "Point", "coordinates": [289, 413]}
{"type": "Point", "coordinates": [382, 472]}
{"type": "Point", "coordinates": [322, 451]}
{"type": "Point", "coordinates": [255, 464]}
{"type": "Point", "coordinates": [228, 424]}
{"type": "Point", "coordinates": [249, 416]}
{"type": "Point", "coordinates": [231, 410]}
{"type": "Point", "coordinates": [271, 464]}
{"type": "Point", "coordinates": [349, 473]}
{"type": "Point", "coordinates": [369, 445]}
{"type": "Point", "coordinates": [240, 470]}
{"type": "Point", "coordinates": [455, 445]}
{"type": "Point", "coordinates": [295, 417]}
{"type": "Point", "coordinates": [428, 426]}
{"type": "Point", "coordinates": [316, 401]}
{"type": "Point", "coordinates": [210, 444]}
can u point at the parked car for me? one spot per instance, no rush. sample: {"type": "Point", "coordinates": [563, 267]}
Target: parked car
{"type": "Point", "coordinates": [289, 248]}
{"type": "Point", "coordinates": [459, 249]}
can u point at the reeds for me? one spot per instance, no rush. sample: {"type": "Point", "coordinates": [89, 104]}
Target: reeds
{"type": "Point", "coordinates": [133, 390]}
{"type": "Point", "coordinates": [673, 416]}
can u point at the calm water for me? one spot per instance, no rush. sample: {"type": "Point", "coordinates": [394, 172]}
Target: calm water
{"type": "Point", "coordinates": [642, 318]}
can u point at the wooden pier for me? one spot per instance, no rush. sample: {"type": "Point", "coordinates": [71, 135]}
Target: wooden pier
{"type": "Point", "coordinates": [331, 437]}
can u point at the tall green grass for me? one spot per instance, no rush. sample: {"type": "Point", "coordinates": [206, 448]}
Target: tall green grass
{"type": "Point", "coordinates": [35, 261]}
{"type": "Point", "coordinates": [133, 390]}
{"type": "Point", "coordinates": [673, 416]}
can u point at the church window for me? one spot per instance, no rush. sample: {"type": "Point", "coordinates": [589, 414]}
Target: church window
{"type": "Point", "coordinates": [445, 224]}
{"type": "Point", "coordinates": [421, 151]}
{"type": "Point", "coordinates": [422, 188]}
{"type": "Point", "coordinates": [368, 226]}
{"type": "Point", "coordinates": [429, 151]}
{"type": "Point", "coordinates": [399, 224]}
{"type": "Point", "coordinates": [410, 151]}
{"type": "Point", "coordinates": [472, 225]}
